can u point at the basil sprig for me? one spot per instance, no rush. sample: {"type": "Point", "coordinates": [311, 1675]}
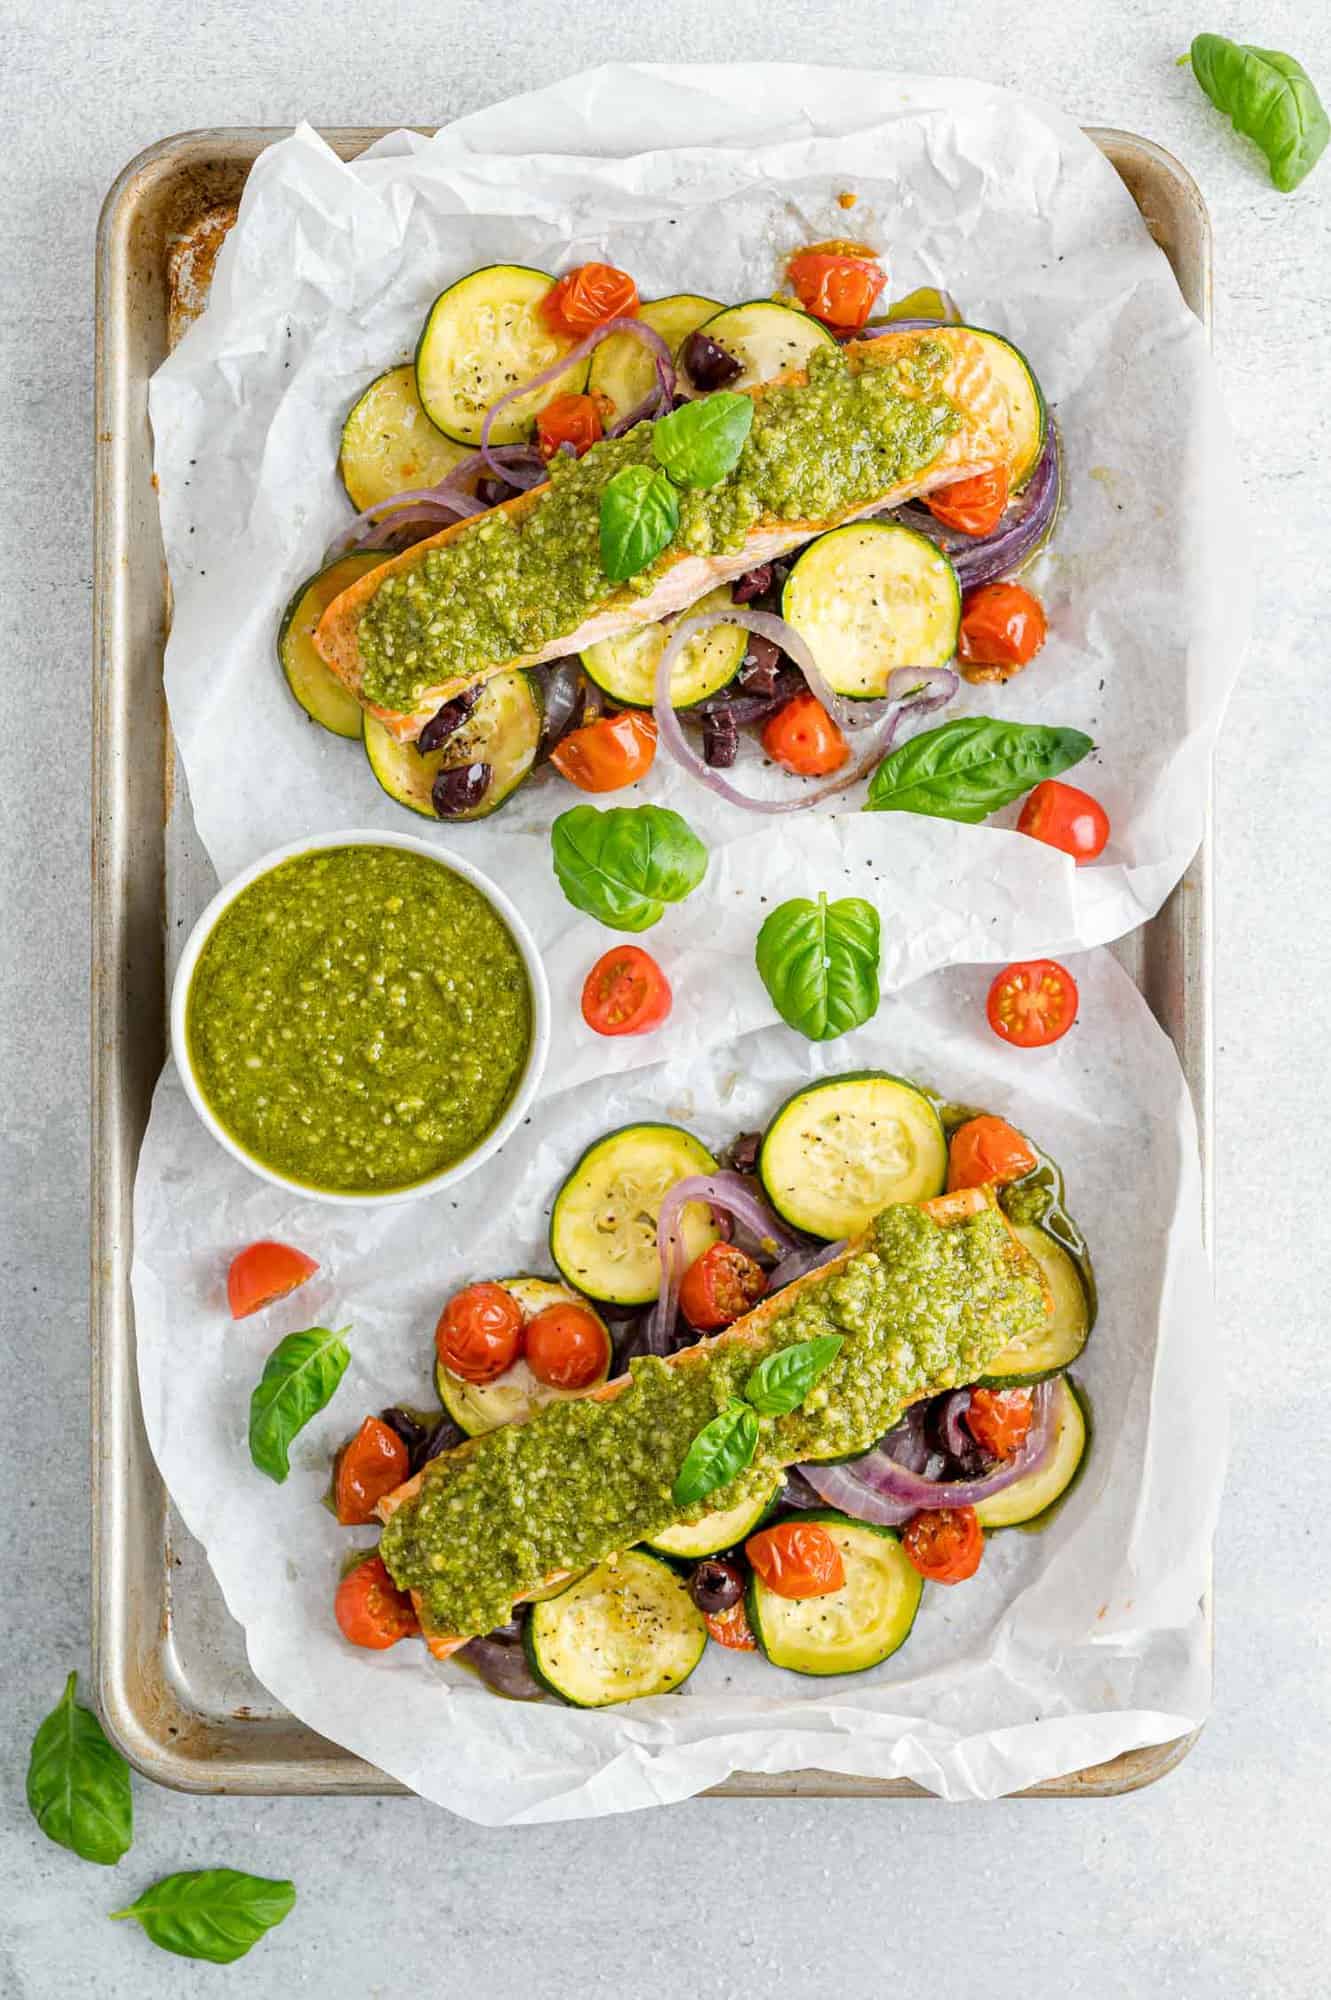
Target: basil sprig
{"type": "Point", "coordinates": [970, 767]}
{"type": "Point", "coordinates": [699, 443]}
{"type": "Point", "coordinates": [300, 1376]}
{"type": "Point", "coordinates": [639, 515]}
{"type": "Point", "coordinates": [819, 963]}
{"type": "Point", "coordinates": [212, 1913]}
{"type": "Point", "coordinates": [696, 445]}
{"type": "Point", "coordinates": [781, 1381]}
{"type": "Point", "coordinates": [1270, 98]}
{"type": "Point", "coordinates": [725, 1447]}
{"type": "Point", "coordinates": [624, 865]}
{"type": "Point", "coordinates": [78, 1783]}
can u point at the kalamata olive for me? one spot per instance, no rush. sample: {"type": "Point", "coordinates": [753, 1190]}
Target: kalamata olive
{"type": "Point", "coordinates": [707, 364]}
{"type": "Point", "coordinates": [460, 787]}
{"type": "Point", "coordinates": [743, 1155]}
{"type": "Point", "coordinates": [715, 1585]}
{"type": "Point", "coordinates": [753, 583]}
{"type": "Point", "coordinates": [411, 1430]}
{"type": "Point", "coordinates": [442, 1438]}
{"type": "Point", "coordinates": [760, 666]}
{"type": "Point", "coordinates": [720, 738]}
{"type": "Point", "coordinates": [446, 721]}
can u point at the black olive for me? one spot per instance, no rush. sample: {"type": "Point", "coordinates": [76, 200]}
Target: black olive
{"type": "Point", "coordinates": [409, 1429]}
{"type": "Point", "coordinates": [753, 583]}
{"type": "Point", "coordinates": [446, 721]}
{"type": "Point", "coordinates": [442, 1438]}
{"type": "Point", "coordinates": [720, 739]}
{"type": "Point", "coordinates": [715, 1586]}
{"type": "Point", "coordinates": [707, 364]}
{"type": "Point", "coordinates": [460, 787]}
{"type": "Point", "coordinates": [744, 1152]}
{"type": "Point", "coordinates": [760, 666]}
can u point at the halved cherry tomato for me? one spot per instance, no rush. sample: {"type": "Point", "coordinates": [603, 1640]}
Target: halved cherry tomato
{"type": "Point", "coordinates": [999, 1419]}
{"type": "Point", "coordinates": [987, 1150]}
{"type": "Point", "coordinates": [1002, 628]}
{"type": "Point", "coordinates": [836, 289]}
{"type": "Point", "coordinates": [1065, 818]}
{"type": "Point", "coordinates": [574, 420]}
{"type": "Point", "coordinates": [566, 1347]}
{"type": "Point", "coordinates": [479, 1334]}
{"type": "Point", "coordinates": [944, 1543]}
{"type": "Point", "coordinates": [372, 1464]}
{"type": "Point", "coordinates": [803, 737]}
{"type": "Point", "coordinates": [720, 1286]}
{"type": "Point", "coordinates": [606, 755]}
{"type": "Point", "coordinates": [625, 993]}
{"type": "Point", "coordinates": [263, 1272]}
{"type": "Point", "coordinates": [731, 1628]}
{"type": "Point", "coordinates": [1031, 1004]}
{"type": "Point", "coordinates": [370, 1608]}
{"type": "Point", "coordinates": [796, 1559]}
{"type": "Point", "coordinates": [972, 506]}
{"type": "Point", "coordinates": [586, 297]}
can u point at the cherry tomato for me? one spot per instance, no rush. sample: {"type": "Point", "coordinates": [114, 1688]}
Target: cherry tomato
{"type": "Point", "coordinates": [1002, 628]}
{"type": "Point", "coordinates": [606, 755]}
{"type": "Point", "coordinates": [944, 1543]}
{"type": "Point", "coordinates": [479, 1334]}
{"type": "Point", "coordinates": [987, 1150]}
{"type": "Point", "coordinates": [998, 1419]}
{"type": "Point", "coordinates": [372, 1464]}
{"type": "Point", "coordinates": [625, 993]}
{"type": "Point", "coordinates": [567, 1347]}
{"type": "Point", "coordinates": [264, 1272]}
{"type": "Point", "coordinates": [803, 737]}
{"type": "Point", "coordinates": [1063, 817]}
{"type": "Point", "coordinates": [796, 1559]}
{"type": "Point", "coordinates": [370, 1608]}
{"type": "Point", "coordinates": [583, 299]}
{"type": "Point", "coordinates": [836, 289]}
{"type": "Point", "coordinates": [972, 506]}
{"type": "Point", "coordinates": [574, 420]}
{"type": "Point", "coordinates": [732, 1629]}
{"type": "Point", "coordinates": [720, 1286]}
{"type": "Point", "coordinates": [1033, 1003]}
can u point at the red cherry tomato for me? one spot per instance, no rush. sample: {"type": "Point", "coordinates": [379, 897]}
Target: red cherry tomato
{"type": "Point", "coordinates": [986, 1151]}
{"type": "Point", "coordinates": [371, 1610]}
{"type": "Point", "coordinates": [796, 1559]}
{"type": "Point", "coordinates": [944, 1543]}
{"type": "Point", "coordinates": [625, 993]}
{"type": "Point", "coordinates": [373, 1463]}
{"type": "Point", "coordinates": [567, 1347]}
{"type": "Point", "coordinates": [264, 1272]}
{"type": "Point", "coordinates": [574, 420]}
{"type": "Point", "coordinates": [1063, 817]}
{"type": "Point", "coordinates": [999, 1419]}
{"type": "Point", "coordinates": [732, 1629]}
{"type": "Point", "coordinates": [720, 1286]}
{"type": "Point", "coordinates": [835, 288]}
{"type": "Point", "coordinates": [604, 756]}
{"type": "Point", "coordinates": [479, 1334]}
{"type": "Point", "coordinates": [1002, 628]}
{"type": "Point", "coordinates": [1031, 1004]}
{"type": "Point", "coordinates": [585, 298]}
{"type": "Point", "coordinates": [972, 506]}
{"type": "Point", "coordinates": [803, 737]}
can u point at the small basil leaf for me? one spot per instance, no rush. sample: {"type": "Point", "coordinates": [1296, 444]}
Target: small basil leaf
{"type": "Point", "coordinates": [624, 865]}
{"type": "Point", "coordinates": [78, 1784]}
{"type": "Point", "coordinates": [1270, 98]}
{"type": "Point", "coordinates": [212, 1913]}
{"type": "Point", "coordinates": [779, 1384]}
{"type": "Point", "coordinates": [700, 443]}
{"type": "Point", "coordinates": [969, 768]}
{"type": "Point", "coordinates": [718, 1454]}
{"type": "Point", "coordinates": [819, 963]}
{"type": "Point", "coordinates": [300, 1376]}
{"type": "Point", "coordinates": [639, 515]}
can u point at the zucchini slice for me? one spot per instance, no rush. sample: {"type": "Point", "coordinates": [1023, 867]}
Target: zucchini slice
{"type": "Point", "coordinates": [315, 686]}
{"type": "Point", "coordinates": [389, 444]}
{"type": "Point", "coordinates": [1032, 1356]}
{"type": "Point", "coordinates": [1022, 1503]}
{"type": "Point", "coordinates": [603, 1223]}
{"type": "Point", "coordinates": [626, 667]}
{"type": "Point", "coordinates": [484, 335]}
{"type": "Point", "coordinates": [839, 1151]}
{"type": "Point", "coordinates": [628, 1628]}
{"type": "Point", "coordinates": [766, 339]}
{"type": "Point", "coordinates": [851, 1629]}
{"type": "Point", "coordinates": [514, 1395]}
{"type": "Point", "coordinates": [871, 597]}
{"type": "Point", "coordinates": [724, 1529]}
{"type": "Point", "coordinates": [503, 731]}
{"type": "Point", "coordinates": [1025, 401]}
{"type": "Point", "coordinates": [622, 368]}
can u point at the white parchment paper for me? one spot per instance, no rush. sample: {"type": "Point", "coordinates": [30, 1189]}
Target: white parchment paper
{"type": "Point", "coordinates": [1068, 1647]}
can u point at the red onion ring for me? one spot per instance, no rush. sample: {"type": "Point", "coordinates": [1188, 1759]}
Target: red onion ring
{"type": "Point", "coordinates": [502, 1665]}
{"type": "Point", "coordinates": [620, 324]}
{"type": "Point", "coordinates": [801, 1262]}
{"type": "Point", "coordinates": [734, 1194]}
{"type": "Point", "coordinates": [441, 504]}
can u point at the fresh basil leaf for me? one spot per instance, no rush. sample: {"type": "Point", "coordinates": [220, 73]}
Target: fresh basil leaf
{"type": "Point", "coordinates": [699, 443]}
{"type": "Point", "coordinates": [819, 963]}
{"type": "Point", "coordinates": [780, 1383]}
{"type": "Point", "coordinates": [1270, 98]}
{"type": "Point", "coordinates": [639, 515]}
{"type": "Point", "coordinates": [624, 865]}
{"type": "Point", "coordinates": [78, 1783]}
{"type": "Point", "coordinates": [718, 1454]}
{"type": "Point", "coordinates": [212, 1913]}
{"type": "Point", "coordinates": [968, 768]}
{"type": "Point", "coordinates": [300, 1376]}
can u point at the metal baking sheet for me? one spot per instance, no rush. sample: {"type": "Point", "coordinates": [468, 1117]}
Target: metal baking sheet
{"type": "Point", "coordinates": [173, 1683]}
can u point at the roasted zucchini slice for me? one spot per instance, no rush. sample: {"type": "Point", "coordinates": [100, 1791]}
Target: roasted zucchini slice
{"type": "Point", "coordinates": [723, 1529]}
{"type": "Point", "coordinates": [513, 1396]}
{"type": "Point", "coordinates": [603, 1223]}
{"type": "Point", "coordinates": [389, 444]}
{"type": "Point", "coordinates": [626, 667]}
{"type": "Point", "coordinates": [1061, 1339]}
{"type": "Point", "coordinates": [502, 734]}
{"type": "Point", "coordinates": [627, 1629]}
{"type": "Point", "coordinates": [869, 598]}
{"type": "Point", "coordinates": [766, 339]}
{"type": "Point", "coordinates": [839, 1151]}
{"type": "Point", "coordinates": [1021, 1504]}
{"type": "Point", "coordinates": [316, 687]}
{"type": "Point", "coordinates": [485, 335]}
{"type": "Point", "coordinates": [622, 368]}
{"type": "Point", "coordinates": [851, 1629]}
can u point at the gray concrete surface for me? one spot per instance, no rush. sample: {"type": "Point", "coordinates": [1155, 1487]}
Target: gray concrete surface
{"type": "Point", "coordinates": [1211, 1884]}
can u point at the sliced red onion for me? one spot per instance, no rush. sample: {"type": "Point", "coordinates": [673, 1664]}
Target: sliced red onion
{"type": "Point", "coordinates": [1027, 523]}
{"type": "Point", "coordinates": [517, 467]}
{"type": "Point", "coordinates": [665, 369]}
{"type": "Point", "coordinates": [949, 1421]}
{"type": "Point", "coordinates": [800, 1262]}
{"type": "Point", "coordinates": [502, 1665]}
{"type": "Point", "coordinates": [797, 1491]}
{"type": "Point", "coordinates": [732, 1193]}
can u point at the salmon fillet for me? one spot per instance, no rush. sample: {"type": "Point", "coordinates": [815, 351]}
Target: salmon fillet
{"type": "Point", "coordinates": [981, 441]}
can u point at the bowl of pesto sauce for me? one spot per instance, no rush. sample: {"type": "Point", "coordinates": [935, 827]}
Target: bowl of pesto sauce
{"type": "Point", "coordinates": [360, 1019]}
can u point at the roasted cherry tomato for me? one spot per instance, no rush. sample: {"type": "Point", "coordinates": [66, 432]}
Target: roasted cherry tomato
{"type": "Point", "coordinates": [836, 289]}
{"type": "Point", "coordinates": [606, 755]}
{"type": "Point", "coordinates": [803, 737]}
{"type": "Point", "coordinates": [1033, 1003]}
{"type": "Point", "coordinates": [732, 1629]}
{"type": "Point", "coordinates": [567, 1347]}
{"type": "Point", "coordinates": [1063, 817]}
{"type": "Point", "coordinates": [574, 420]}
{"type": "Point", "coordinates": [944, 1543]}
{"type": "Point", "coordinates": [720, 1286]}
{"type": "Point", "coordinates": [625, 993]}
{"type": "Point", "coordinates": [796, 1559]}
{"type": "Point", "coordinates": [998, 1419]}
{"type": "Point", "coordinates": [370, 1465]}
{"type": "Point", "coordinates": [370, 1608]}
{"type": "Point", "coordinates": [479, 1334]}
{"type": "Point", "coordinates": [1002, 628]}
{"type": "Point", "coordinates": [585, 298]}
{"type": "Point", "coordinates": [987, 1150]}
{"type": "Point", "coordinates": [264, 1272]}
{"type": "Point", "coordinates": [972, 506]}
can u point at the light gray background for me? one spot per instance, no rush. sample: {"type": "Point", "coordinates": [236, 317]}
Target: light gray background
{"type": "Point", "coordinates": [1213, 1883]}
